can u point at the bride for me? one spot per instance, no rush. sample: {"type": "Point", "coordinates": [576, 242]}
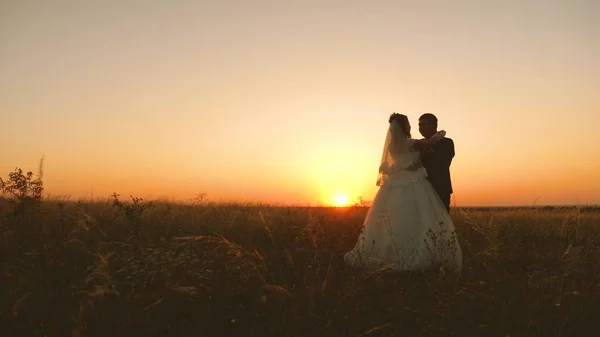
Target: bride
{"type": "Point", "coordinates": [407, 227]}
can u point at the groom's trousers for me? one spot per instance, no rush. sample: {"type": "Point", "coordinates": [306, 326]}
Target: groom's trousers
{"type": "Point", "coordinates": [445, 200]}
{"type": "Point", "coordinates": [445, 196]}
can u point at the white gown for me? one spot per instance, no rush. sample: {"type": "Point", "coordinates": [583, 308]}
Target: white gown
{"type": "Point", "coordinates": [407, 227]}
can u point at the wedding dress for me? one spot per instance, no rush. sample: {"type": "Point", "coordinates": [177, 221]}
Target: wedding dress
{"type": "Point", "coordinates": [407, 226]}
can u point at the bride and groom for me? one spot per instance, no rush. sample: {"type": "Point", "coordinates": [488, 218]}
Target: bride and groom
{"type": "Point", "coordinates": [408, 226]}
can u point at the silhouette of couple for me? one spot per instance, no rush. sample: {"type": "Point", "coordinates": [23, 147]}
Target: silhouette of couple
{"type": "Point", "coordinates": [408, 226]}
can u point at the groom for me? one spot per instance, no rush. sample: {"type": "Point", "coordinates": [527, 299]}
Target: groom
{"type": "Point", "coordinates": [437, 159]}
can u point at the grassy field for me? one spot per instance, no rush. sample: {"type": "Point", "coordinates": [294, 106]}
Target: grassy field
{"type": "Point", "coordinates": [138, 269]}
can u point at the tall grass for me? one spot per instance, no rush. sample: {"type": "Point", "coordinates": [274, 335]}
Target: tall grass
{"type": "Point", "coordinates": [119, 268]}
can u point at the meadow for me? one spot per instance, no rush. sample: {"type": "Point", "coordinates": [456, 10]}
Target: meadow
{"type": "Point", "coordinates": [127, 267]}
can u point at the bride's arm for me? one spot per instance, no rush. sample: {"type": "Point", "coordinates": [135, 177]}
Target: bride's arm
{"type": "Point", "coordinates": [422, 143]}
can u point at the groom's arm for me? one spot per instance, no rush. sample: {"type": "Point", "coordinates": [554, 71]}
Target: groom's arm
{"type": "Point", "coordinates": [419, 144]}
{"type": "Point", "coordinates": [446, 153]}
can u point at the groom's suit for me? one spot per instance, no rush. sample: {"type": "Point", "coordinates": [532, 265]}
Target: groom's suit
{"type": "Point", "coordinates": [436, 160]}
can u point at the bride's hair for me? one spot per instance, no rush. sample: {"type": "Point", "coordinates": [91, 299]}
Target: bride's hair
{"type": "Point", "coordinates": [403, 120]}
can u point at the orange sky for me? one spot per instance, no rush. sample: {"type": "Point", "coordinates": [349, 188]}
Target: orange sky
{"type": "Point", "coordinates": [287, 101]}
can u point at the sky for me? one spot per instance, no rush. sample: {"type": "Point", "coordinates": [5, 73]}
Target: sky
{"type": "Point", "coordinates": [287, 101]}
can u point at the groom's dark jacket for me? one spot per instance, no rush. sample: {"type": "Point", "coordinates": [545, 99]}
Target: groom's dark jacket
{"type": "Point", "coordinates": [436, 160]}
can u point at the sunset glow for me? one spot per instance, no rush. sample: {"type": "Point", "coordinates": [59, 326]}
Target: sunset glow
{"type": "Point", "coordinates": [341, 200]}
{"type": "Point", "coordinates": [287, 102]}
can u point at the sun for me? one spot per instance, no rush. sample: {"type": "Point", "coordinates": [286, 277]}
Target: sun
{"type": "Point", "coordinates": [341, 200]}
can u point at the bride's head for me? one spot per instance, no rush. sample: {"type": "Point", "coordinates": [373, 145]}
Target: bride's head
{"type": "Point", "coordinates": [403, 121]}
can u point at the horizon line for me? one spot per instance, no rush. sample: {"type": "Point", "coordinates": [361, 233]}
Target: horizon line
{"type": "Point", "coordinates": [200, 202]}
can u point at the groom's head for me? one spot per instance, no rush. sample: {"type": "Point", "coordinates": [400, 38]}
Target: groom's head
{"type": "Point", "coordinates": [427, 125]}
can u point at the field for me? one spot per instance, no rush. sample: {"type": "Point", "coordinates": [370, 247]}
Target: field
{"type": "Point", "coordinates": [162, 269]}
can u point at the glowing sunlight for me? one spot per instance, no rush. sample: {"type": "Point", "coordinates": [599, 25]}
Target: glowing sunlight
{"type": "Point", "coordinates": [341, 200]}
{"type": "Point", "coordinates": [338, 175]}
